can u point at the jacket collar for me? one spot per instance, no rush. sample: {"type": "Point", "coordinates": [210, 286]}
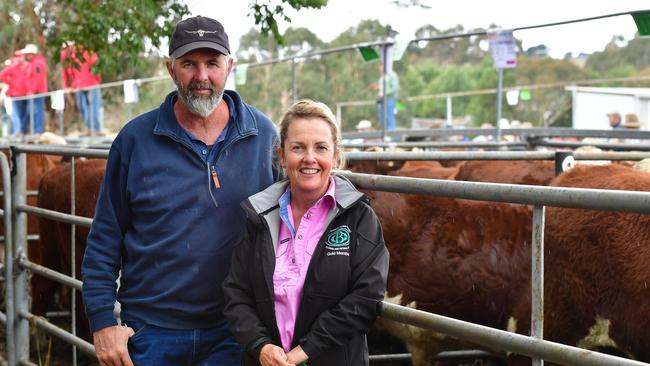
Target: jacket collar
{"type": "Point", "coordinates": [345, 193]}
{"type": "Point", "coordinates": [243, 119]}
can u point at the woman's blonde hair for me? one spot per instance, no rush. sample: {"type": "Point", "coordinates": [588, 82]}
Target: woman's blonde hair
{"type": "Point", "coordinates": [308, 109]}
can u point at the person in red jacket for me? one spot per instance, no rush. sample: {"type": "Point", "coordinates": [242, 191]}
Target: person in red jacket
{"type": "Point", "coordinates": [36, 84]}
{"type": "Point", "coordinates": [14, 74]}
{"type": "Point", "coordinates": [77, 75]}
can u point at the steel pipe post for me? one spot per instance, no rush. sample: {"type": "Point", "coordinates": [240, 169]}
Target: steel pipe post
{"type": "Point", "coordinates": [537, 278]}
{"type": "Point", "coordinates": [10, 320]}
{"type": "Point", "coordinates": [21, 286]}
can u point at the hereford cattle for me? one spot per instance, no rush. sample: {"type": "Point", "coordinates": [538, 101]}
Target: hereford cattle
{"type": "Point", "coordinates": [54, 194]}
{"type": "Point", "coordinates": [597, 269]}
{"type": "Point", "coordinates": [464, 259]}
{"type": "Point", "coordinates": [425, 169]}
{"type": "Point", "coordinates": [471, 261]}
{"type": "Point", "coordinates": [533, 172]}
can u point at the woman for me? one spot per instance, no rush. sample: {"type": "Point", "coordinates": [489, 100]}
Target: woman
{"type": "Point", "coordinates": [308, 274]}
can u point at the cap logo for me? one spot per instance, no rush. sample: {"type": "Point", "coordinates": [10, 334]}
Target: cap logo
{"type": "Point", "coordinates": [201, 32]}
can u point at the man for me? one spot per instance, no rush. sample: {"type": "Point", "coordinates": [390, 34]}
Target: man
{"type": "Point", "coordinates": [615, 121]}
{"type": "Point", "coordinates": [78, 76]}
{"type": "Point", "coordinates": [37, 84]}
{"type": "Point", "coordinates": [168, 213]}
{"type": "Point", "coordinates": [14, 75]}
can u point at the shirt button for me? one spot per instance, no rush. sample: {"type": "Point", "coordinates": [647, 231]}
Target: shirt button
{"type": "Point", "coordinates": [293, 260]}
{"type": "Point", "coordinates": [204, 151]}
{"type": "Point", "coordinates": [308, 216]}
{"type": "Point", "coordinates": [300, 236]}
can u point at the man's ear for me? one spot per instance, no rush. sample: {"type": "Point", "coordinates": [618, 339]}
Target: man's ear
{"type": "Point", "coordinates": [168, 64]}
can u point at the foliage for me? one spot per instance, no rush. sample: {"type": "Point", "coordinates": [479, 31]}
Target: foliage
{"type": "Point", "coordinates": [117, 30]}
{"type": "Point", "coordinates": [266, 14]}
{"type": "Point", "coordinates": [427, 68]}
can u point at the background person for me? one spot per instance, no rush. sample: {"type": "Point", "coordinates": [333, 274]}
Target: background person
{"type": "Point", "coordinates": [77, 75]}
{"type": "Point", "coordinates": [392, 92]}
{"type": "Point", "coordinates": [14, 75]}
{"type": "Point", "coordinates": [36, 84]}
{"type": "Point", "coordinates": [279, 311]}
{"type": "Point", "coordinates": [168, 212]}
{"type": "Point", "coordinates": [632, 123]}
{"type": "Point", "coordinates": [615, 121]}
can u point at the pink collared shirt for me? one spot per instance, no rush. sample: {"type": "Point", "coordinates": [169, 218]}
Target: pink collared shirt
{"type": "Point", "coordinates": [292, 256]}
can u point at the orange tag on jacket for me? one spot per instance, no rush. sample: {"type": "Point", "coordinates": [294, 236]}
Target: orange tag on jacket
{"type": "Point", "coordinates": [215, 178]}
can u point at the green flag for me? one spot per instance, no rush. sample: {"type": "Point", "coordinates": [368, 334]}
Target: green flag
{"type": "Point", "coordinates": [642, 20]}
{"type": "Point", "coordinates": [400, 106]}
{"type": "Point", "coordinates": [368, 54]}
{"type": "Point", "coordinates": [524, 94]}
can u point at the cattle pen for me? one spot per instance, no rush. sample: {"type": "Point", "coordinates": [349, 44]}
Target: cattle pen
{"type": "Point", "coordinates": [18, 316]}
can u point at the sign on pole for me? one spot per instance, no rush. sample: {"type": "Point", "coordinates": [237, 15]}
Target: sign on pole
{"type": "Point", "coordinates": [503, 48]}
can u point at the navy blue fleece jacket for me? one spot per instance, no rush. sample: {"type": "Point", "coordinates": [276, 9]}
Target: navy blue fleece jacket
{"type": "Point", "coordinates": [162, 222]}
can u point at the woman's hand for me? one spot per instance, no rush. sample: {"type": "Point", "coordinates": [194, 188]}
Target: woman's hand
{"type": "Point", "coordinates": [272, 355]}
{"type": "Point", "coordinates": [297, 356]}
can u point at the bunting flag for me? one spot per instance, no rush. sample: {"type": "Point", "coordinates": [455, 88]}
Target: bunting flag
{"type": "Point", "coordinates": [240, 74]}
{"type": "Point", "coordinates": [369, 54]}
{"type": "Point", "coordinates": [642, 20]}
{"type": "Point", "coordinates": [524, 94]}
{"type": "Point", "coordinates": [400, 46]}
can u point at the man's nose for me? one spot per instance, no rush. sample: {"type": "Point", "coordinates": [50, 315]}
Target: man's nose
{"type": "Point", "coordinates": [201, 73]}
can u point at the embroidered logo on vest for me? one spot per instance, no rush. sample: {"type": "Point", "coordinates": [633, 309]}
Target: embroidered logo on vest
{"type": "Point", "coordinates": [338, 241]}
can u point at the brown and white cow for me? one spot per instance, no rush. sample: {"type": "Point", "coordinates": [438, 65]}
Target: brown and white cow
{"type": "Point", "coordinates": [464, 259]}
{"type": "Point", "coordinates": [471, 261]}
{"type": "Point", "coordinates": [533, 172]}
{"type": "Point", "coordinates": [597, 266]}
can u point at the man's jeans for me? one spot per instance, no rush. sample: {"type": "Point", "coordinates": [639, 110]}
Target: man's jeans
{"type": "Point", "coordinates": [151, 345]}
{"type": "Point", "coordinates": [89, 103]}
{"type": "Point", "coordinates": [21, 115]}
{"type": "Point", "coordinates": [390, 103]}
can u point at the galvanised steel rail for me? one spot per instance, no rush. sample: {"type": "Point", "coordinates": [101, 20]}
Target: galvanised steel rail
{"type": "Point", "coordinates": [499, 339]}
{"type": "Point", "coordinates": [51, 274]}
{"type": "Point", "coordinates": [62, 151]}
{"type": "Point", "coordinates": [489, 155]}
{"type": "Point", "coordinates": [42, 323]}
{"type": "Point", "coordinates": [55, 215]}
{"type": "Point", "coordinates": [645, 146]}
{"type": "Point", "coordinates": [404, 135]}
{"type": "Point", "coordinates": [437, 144]}
{"type": "Point", "coordinates": [594, 199]}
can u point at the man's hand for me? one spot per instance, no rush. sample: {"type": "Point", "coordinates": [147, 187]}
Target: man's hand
{"type": "Point", "coordinates": [297, 356]}
{"type": "Point", "coordinates": [272, 355]}
{"type": "Point", "coordinates": [111, 345]}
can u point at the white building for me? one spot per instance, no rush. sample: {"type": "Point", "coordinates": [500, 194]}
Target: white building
{"type": "Point", "coordinates": [591, 106]}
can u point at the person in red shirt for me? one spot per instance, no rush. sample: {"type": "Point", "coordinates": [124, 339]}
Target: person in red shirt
{"type": "Point", "coordinates": [14, 74]}
{"type": "Point", "coordinates": [77, 75]}
{"type": "Point", "coordinates": [36, 84]}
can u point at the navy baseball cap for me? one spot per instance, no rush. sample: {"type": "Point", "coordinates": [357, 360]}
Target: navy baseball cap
{"type": "Point", "coordinates": [198, 32]}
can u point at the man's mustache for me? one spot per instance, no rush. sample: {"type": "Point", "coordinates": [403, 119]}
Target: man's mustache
{"type": "Point", "coordinates": [202, 85]}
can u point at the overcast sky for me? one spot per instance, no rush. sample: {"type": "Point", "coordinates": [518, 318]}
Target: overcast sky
{"type": "Point", "coordinates": [339, 15]}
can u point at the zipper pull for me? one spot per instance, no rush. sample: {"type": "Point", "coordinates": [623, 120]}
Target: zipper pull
{"type": "Point", "coordinates": [215, 178]}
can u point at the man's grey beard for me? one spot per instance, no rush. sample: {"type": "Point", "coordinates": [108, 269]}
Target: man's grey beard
{"type": "Point", "coordinates": [197, 104]}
